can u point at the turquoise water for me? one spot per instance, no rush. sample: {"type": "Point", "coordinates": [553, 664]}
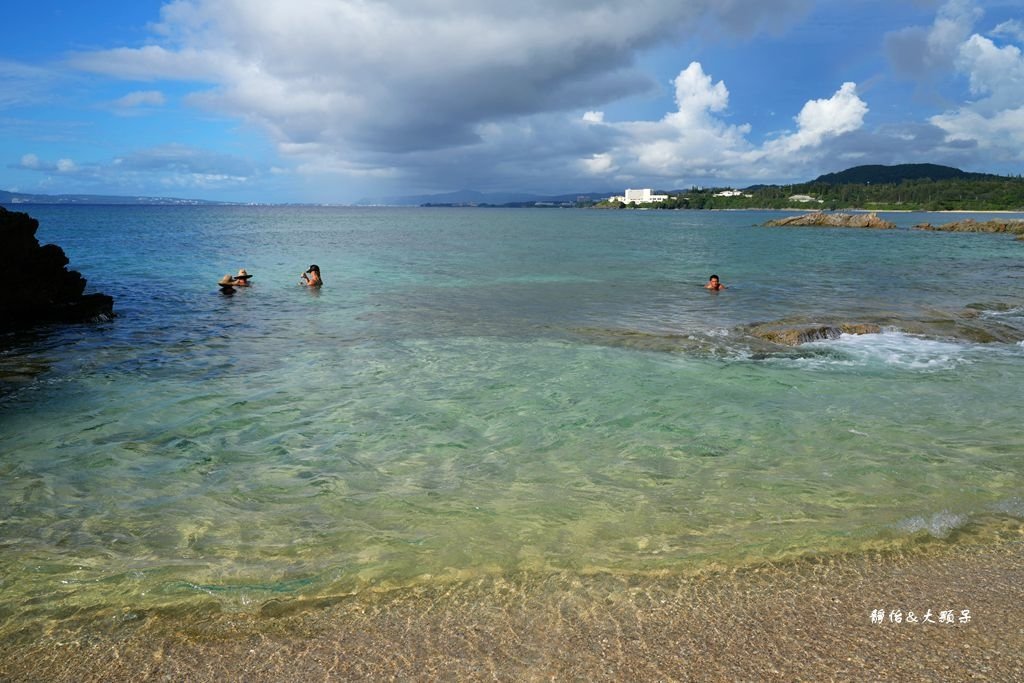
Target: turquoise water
{"type": "Point", "coordinates": [483, 391]}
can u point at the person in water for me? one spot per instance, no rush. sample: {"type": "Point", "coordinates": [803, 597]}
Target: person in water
{"type": "Point", "coordinates": [714, 284]}
{"type": "Point", "coordinates": [242, 279]}
{"type": "Point", "coordinates": [311, 278]}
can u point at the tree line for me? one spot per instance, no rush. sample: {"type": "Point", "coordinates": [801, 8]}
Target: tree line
{"type": "Point", "coordinates": [963, 194]}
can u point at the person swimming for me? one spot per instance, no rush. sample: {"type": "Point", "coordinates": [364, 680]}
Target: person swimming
{"type": "Point", "coordinates": [227, 284]}
{"type": "Point", "coordinates": [311, 278]}
{"type": "Point", "coordinates": [242, 279]}
{"type": "Point", "coordinates": [714, 284]}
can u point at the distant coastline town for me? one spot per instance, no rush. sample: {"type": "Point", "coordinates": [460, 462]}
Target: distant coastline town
{"type": "Point", "coordinates": [904, 187]}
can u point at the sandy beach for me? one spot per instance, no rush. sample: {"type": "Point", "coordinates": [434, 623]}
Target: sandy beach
{"type": "Point", "coordinates": [846, 618]}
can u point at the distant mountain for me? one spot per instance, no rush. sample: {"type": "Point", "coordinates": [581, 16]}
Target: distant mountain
{"type": "Point", "coordinates": [15, 198]}
{"type": "Point", "coordinates": [862, 175]}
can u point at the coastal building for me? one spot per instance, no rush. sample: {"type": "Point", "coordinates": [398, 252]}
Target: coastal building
{"type": "Point", "coordinates": [804, 198]}
{"type": "Point", "coordinates": [644, 196]}
{"type": "Point", "coordinates": [728, 193]}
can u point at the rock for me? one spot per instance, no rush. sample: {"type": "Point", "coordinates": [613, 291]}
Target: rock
{"type": "Point", "coordinates": [794, 335]}
{"type": "Point", "coordinates": [35, 284]}
{"type": "Point", "coordinates": [835, 220]}
{"type": "Point", "coordinates": [1012, 226]}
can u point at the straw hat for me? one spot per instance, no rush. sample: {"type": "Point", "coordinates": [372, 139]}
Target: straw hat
{"type": "Point", "coordinates": [226, 281]}
{"type": "Point", "coordinates": [242, 275]}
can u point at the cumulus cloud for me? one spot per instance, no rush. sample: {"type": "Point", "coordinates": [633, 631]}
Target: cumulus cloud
{"type": "Point", "coordinates": [696, 141]}
{"type": "Point", "coordinates": [994, 120]}
{"type": "Point", "coordinates": [458, 93]}
{"type": "Point", "coordinates": [377, 87]}
{"type": "Point", "coordinates": [842, 113]}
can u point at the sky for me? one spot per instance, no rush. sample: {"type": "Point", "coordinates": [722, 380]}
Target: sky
{"type": "Point", "coordinates": [340, 101]}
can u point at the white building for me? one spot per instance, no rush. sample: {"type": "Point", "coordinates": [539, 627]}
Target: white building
{"type": "Point", "coordinates": [643, 196]}
{"type": "Point", "coordinates": [728, 193]}
{"type": "Point", "coordinates": [804, 198]}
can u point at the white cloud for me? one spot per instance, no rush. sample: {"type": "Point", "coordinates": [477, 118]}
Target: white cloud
{"type": "Point", "coordinates": [141, 98]}
{"type": "Point", "coordinates": [1014, 28]}
{"type": "Point", "coordinates": [995, 121]}
{"type": "Point", "coordinates": [381, 86]}
{"type": "Point", "coordinates": [994, 71]}
{"type": "Point", "coordinates": [599, 165]}
{"type": "Point", "coordinates": [842, 113]}
{"type": "Point", "coordinates": [697, 141]}
{"type": "Point", "coordinates": [31, 162]}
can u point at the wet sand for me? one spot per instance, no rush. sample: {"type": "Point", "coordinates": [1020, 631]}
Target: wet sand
{"type": "Point", "coordinates": [806, 620]}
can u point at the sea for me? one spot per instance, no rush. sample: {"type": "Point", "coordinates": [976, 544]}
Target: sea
{"type": "Point", "coordinates": [486, 392]}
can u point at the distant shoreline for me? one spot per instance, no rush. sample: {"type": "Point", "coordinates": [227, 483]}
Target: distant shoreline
{"type": "Point", "coordinates": [25, 206]}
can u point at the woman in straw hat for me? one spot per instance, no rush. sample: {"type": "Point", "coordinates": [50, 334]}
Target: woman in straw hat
{"type": "Point", "coordinates": [242, 279]}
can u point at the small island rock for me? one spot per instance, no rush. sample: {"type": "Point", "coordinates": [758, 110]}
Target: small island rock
{"type": "Point", "coordinates": [1013, 226]}
{"type": "Point", "coordinates": [835, 220]}
{"type": "Point", "coordinates": [35, 284]}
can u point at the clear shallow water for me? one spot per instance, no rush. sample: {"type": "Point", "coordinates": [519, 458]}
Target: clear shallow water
{"type": "Point", "coordinates": [488, 390]}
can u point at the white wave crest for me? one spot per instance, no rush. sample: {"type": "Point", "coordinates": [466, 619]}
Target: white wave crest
{"type": "Point", "coordinates": [939, 525]}
{"type": "Point", "coordinates": [894, 349]}
{"type": "Point", "coordinates": [1010, 312]}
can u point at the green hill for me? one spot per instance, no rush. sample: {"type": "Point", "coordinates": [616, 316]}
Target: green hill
{"type": "Point", "coordinates": [877, 174]}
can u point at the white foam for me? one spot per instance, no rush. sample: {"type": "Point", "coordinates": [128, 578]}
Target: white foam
{"type": "Point", "coordinates": [894, 349]}
{"type": "Point", "coordinates": [939, 525]}
{"type": "Point", "coordinates": [1012, 312]}
{"type": "Point", "coordinates": [1014, 507]}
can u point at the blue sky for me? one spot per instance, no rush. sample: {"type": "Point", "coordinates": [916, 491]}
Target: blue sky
{"type": "Point", "coordinates": [336, 101]}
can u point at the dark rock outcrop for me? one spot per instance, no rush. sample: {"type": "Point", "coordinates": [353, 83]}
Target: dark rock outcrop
{"type": "Point", "coordinates": [35, 284]}
{"type": "Point", "coordinates": [835, 220]}
{"type": "Point", "coordinates": [794, 335]}
{"type": "Point", "coordinates": [1011, 226]}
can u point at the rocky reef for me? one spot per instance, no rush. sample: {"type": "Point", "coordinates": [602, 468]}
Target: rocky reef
{"type": "Point", "coordinates": [1010, 226]}
{"type": "Point", "coordinates": [35, 284]}
{"type": "Point", "coordinates": [834, 220]}
{"type": "Point", "coordinates": [793, 335]}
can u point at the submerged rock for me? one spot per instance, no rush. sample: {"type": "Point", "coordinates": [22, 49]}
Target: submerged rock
{"type": "Point", "coordinates": [35, 284]}
{"type": "Point", "coordinates": [835, 220]}
{"type": "Point", "coordinates": [1014, 226]}
{"type": "Point", "coordinates": [793, 335]}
